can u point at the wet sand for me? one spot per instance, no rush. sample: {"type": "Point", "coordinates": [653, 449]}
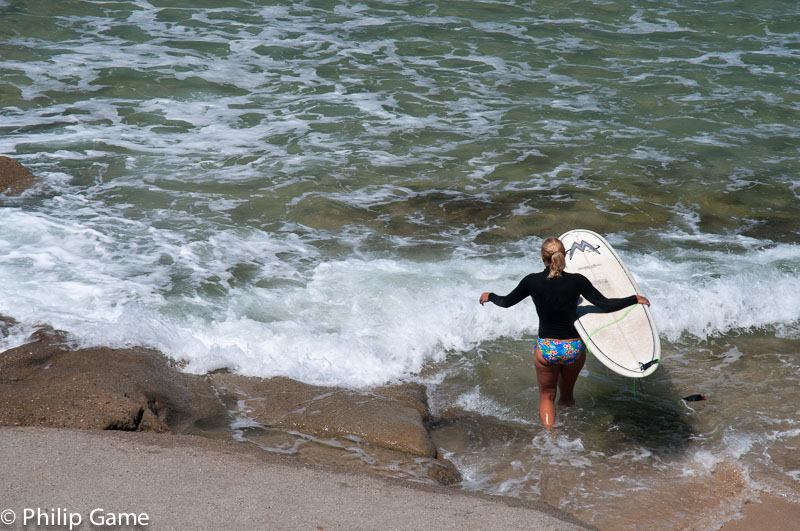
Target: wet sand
{"type": "Point", "coordinates": [768, 513]}
{"type": "Point", "coordinates": [187, 482]}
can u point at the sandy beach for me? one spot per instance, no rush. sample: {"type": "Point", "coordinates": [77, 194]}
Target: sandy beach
{"type": "Point", "coordinates": [186, 482]}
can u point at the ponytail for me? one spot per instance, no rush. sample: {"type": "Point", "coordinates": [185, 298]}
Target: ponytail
{"type": "Point", "coordinates": [553, 251]}
{"type": "Point", "coordinates": [557, 264]}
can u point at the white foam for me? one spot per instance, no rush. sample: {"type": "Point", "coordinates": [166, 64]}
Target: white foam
{"type": "Point", "coordinates": [15, 335]}
{"type": "Point", "coordinates": [639, 26]}
{"type": "Point", "coordinates": [712, 292]}
{"type": "Point", "coordinates": [475, 401]}
{"type": "Point", "coordinates": [731, 356]}
{"type": "Point", "coordinates": [351, 321]}
{"type": "Point", "coordinates": [709, 139]}
{"type": "Point", "coordinates": [562, 450]}
{"type": "Point", "coordinates": [358, 320]}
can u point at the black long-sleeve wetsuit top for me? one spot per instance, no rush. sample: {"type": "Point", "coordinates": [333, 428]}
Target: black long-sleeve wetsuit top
{"type": "Point", "coordinates": [556, 301]}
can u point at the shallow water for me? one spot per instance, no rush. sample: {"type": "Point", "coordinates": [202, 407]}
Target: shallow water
{"type": "Point", "coordinates": [321, 190]}
{"type": "Point", "coordinates": [625, 455]}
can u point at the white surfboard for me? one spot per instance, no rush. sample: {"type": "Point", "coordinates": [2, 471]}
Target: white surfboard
{"type": "Point", "coordinates": [625, 341]}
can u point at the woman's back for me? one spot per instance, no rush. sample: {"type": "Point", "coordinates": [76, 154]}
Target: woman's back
{"type": "Point", "coordinates": [556, 301]}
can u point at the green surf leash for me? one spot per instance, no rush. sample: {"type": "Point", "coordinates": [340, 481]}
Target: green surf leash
{"type": "Point", "coordinates": [642, 366]}
{"type": "Point", "coordinates": [624, 315]}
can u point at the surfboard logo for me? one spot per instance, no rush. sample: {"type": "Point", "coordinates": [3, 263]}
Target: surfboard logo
{"type": "Point", "coordinates": [582, 247]}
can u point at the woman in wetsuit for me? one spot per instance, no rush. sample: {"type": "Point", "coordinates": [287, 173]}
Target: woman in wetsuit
{"type": "Point", "coordinates": [559, 353]}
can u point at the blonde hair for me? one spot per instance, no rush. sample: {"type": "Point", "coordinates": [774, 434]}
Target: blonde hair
{"type": "Point", "coordinates": [553, 251]}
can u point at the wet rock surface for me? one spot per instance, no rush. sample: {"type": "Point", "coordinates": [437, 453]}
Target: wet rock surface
{"type": "Point", "coordinates": [50, 382]}
{"type": "Point", "coordinates": [47, 383]}
{"type": "Point", "coordinates": [391, 418]}
{"type": "Point", "coordinates": [14, 177]}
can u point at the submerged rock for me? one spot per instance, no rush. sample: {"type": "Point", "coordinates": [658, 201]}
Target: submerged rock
{"type": "Point", "coordinates": [14, 177]}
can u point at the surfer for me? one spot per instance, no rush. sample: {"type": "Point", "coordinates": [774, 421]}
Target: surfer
{"type": "Point", "coordinates": [559, 353]}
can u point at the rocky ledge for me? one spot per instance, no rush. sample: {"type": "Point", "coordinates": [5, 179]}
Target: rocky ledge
{"type": "Point", "coordinates": [48, 382]}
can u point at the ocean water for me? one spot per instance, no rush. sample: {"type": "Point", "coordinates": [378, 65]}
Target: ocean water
{"type": "Point", "coordinates": [322, 189]}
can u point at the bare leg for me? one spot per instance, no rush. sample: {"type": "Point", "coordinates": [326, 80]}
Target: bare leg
{"type": "Point", "coordinates": [566, 384]}
{"type": "Point", "coordinates": [547, 377]}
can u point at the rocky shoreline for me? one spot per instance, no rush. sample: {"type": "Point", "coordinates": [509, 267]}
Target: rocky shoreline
{"type": "Point", "coordinates": [48, 382]}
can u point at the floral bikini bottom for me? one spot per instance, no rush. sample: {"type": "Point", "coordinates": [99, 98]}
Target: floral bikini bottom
{"type": "Point", "coordinates": [560, 351]}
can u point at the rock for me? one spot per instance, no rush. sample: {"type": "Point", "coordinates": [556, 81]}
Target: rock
{"type": "Point", "coordinates": [6, 323]}
{"type": "Point", "coordinates": [444, 472]}
{"type": "Point", "coordinates": [414, 394]}
{"type": "Point", "coordinates": [459, 431]}
{"type": "Point", "coordinates": [393, 422]}
{"type": "Point", "coordinates": [49, 383]}
{"type": "Point", "coordinates": [46, 383]}
{"type": "Point", "coordinates": [14, 177]}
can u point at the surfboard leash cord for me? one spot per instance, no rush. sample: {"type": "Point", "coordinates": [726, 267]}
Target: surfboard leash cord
{"type": "Point", "coordinates": [624, 315]}
{"type": "Point", "coordinates": [642, 366]}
